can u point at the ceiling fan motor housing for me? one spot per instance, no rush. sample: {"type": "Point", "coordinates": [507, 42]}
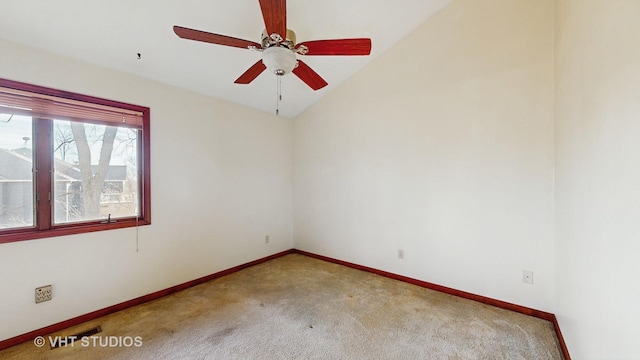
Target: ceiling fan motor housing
{"type": "Point", "coordinates": [269, 40]}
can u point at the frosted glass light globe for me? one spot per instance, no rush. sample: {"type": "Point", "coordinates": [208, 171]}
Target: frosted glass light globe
{"type": "Point", "coordinates": [279, 60]}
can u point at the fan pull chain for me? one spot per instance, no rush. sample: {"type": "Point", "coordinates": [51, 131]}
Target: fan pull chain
{"type": "Point", "coordinates": [137, 233]}
{"type": "Point", "coordinates": [278, 94]}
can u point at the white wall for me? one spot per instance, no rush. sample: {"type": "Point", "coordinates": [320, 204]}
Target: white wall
{"type": "Point", "coordinates": [443, 147]}
{"type": "Point", "coordinates": [598, 177]}
{"type": "Point", "coordinates": [221, 180]}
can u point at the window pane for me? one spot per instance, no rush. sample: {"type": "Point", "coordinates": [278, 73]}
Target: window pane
{"type": "Point", "coordinates": [96, 172]}
{"type": "Point", "coordinates": [16, 172]}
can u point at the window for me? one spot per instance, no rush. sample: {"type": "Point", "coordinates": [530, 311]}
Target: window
{"type": "Point", "coordinates": [70, 163]}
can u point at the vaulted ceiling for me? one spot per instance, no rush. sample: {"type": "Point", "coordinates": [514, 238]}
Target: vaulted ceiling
{"type": "Point", "coordinates": [112, 33]}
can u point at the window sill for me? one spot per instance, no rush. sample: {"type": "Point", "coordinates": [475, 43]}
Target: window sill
{"type": "Point", "coordinates": [64, 230]}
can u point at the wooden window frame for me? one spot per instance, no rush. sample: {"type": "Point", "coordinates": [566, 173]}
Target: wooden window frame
{"type": "Point", "coordinates": [43, 164]}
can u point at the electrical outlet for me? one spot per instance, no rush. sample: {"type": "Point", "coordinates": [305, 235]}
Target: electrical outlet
{"type": "Point", "coordinates": [527, 277]}
{"type": "Point", "coordinates": [43, 293]}
{"type": "Point", "coordinates": [401, 254]}
{"type": "Point", "coordinates": [266, 239]}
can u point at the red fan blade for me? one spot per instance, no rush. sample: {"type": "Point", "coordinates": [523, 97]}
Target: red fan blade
{"type": "Point", "coordinates": [310, 77]}
{"type": "Point", "coordinates": [274, 13]}
{"type": "Point", "coordinates": [252, 73]}
{"type": "Point", "coordinates": [338, 47]}
{"type": "Point", "coordinates": [198, 35]}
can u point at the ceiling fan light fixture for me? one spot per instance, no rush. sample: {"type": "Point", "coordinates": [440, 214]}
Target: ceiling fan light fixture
{"type": "Point", "coordinates": [279, 60]}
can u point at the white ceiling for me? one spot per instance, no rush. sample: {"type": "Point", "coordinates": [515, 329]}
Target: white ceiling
{"type": "Point", "coordinates": [111, 32]}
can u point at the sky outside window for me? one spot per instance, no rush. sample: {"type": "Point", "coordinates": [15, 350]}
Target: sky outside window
{"type": "Point", "coordinates": [13, 130]}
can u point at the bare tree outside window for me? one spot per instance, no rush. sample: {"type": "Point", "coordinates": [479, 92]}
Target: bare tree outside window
{"type": "Point", "coordinates": [95, 172]}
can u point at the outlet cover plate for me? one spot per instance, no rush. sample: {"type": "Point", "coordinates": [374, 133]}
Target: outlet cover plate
{"type": "Point", "coordinates": [43, 293]}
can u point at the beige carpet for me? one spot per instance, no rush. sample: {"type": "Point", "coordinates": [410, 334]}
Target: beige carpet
{"type": "Point", "coordinates": [296, 307]}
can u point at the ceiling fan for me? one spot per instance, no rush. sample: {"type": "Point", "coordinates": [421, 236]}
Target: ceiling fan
{"type": "Point", "coordinates": [279, 47]}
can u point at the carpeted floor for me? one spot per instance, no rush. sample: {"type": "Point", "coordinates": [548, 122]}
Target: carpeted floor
{"type": "Point", "coordinates": [296, 307]}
